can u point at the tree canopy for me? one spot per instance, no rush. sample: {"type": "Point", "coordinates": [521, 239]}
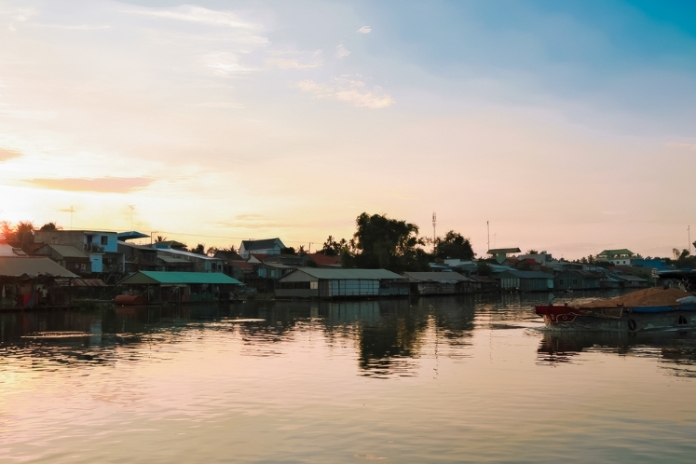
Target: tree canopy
{"type": "Point", "coordinates": [381, 242]}
{"type": "Point", "coordinates": [453, 245]}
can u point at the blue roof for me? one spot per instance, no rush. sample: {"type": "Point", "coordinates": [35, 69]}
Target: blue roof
{"type": "Point", "coordinates": [130, 235]}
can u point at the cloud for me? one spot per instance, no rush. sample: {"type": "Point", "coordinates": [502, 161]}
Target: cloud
{"type": "Point", "coordinates": [8, 154]}
{"type": "Point", "coordinates": [341, 51]}
{"type": "Point", "coordinates": [82, 27]}
{"type": "Point", "coordinates": [681, 145]}
{"type": "Point", "coordinates": [102, 185]}
{"type": "Point", "coordinates": [226, 64]}
{"type": "Point", "coordinates": [17, 15]}
{"type": "Point", "coordinates": [290, 63]}
{"type": "Point", "coordinates": [219, 104]}
{"type": "Point", "coordinates": [196, 14]}
{"type": "Point", "coordinates": [364, 30]}
{"type": "Point", "coordinates": [347, 90]}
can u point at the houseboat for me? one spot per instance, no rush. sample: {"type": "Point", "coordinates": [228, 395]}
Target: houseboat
{"type": "Point", "coordinates": [649, 309]}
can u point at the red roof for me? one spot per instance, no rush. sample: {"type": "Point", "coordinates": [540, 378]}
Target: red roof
{"type": "Point", "coordinates": [321, 259]}
{"type": "Point", "coordinates": [242, 265]}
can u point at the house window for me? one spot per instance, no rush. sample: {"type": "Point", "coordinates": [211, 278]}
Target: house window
{"type": "Point", "coordinates": [560, 282]}
{"type": "Point", "coordinates": [575, 281]}
{"type": "Point", "coordinates": [314, 285]}
{"type": "Point", "coordinates": [104, 240]}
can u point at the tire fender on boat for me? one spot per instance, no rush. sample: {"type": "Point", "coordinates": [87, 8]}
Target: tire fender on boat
{"type": "Point", "coordinates": [632, 325]}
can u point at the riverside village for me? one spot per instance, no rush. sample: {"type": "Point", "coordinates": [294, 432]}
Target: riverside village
{"type": "Point", "coordinates": [51, 267]}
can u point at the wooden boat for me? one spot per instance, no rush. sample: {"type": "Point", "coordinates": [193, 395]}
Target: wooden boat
{"type": "Point", "coordinates": [647, 309]}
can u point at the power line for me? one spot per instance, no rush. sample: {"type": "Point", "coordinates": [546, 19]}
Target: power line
{"type": "Point", "coordinates": [202, 236]}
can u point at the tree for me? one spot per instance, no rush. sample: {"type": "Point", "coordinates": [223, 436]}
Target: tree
{"type": "Point", "coordinates": [386, 243]}
{"type": "Point", "coordinates": [50, 226]}
{"type": "Point", "coordinates": [24, 232]}
{"type": "Point", "coordinates": [160, 239]}
{"type": "Point", "coordinates": [7, 231]}
{"type": "Point", "coordinates": [483, 268]}
{"type": "Point", "coordinates": [453, 246]}
{"type": "Point", "coordinates": [332, 247]}
{"type": "Point", "coordinates": [287, 251]}
{"type": "Point", "coordinates": [532, 252]}
{"type": "Point", "coordinates": [212, 251]}
{"type": "Point", "coordinates": [199, 249]}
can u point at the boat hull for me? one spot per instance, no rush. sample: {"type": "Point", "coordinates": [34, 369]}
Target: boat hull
{"type": "Point", "coordinates": [618, 319]}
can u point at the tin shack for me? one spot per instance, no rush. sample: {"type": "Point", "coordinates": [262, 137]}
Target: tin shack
{"type": "Point", "coordinates": [341, 283]}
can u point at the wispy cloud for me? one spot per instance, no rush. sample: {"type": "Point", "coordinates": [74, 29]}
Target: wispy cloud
{"type": "Point", "coordinates": [17, 15]}
{"type": "Point", "coordinates": [348, 90]}
{"type": "Point", "coordinates": [8, 154]}
{"type": "Point", "coordinates": [364, 30]}
{"type": "Point", "coordinates": [219, 104]}
{"type": "Point", "coordinates": [102, 185]}
{"type": "Point", "coordinates": [682, 145]}
{"type": "Point", "coordinates": [341, 51]}
{"type": "Point", "coordinates": [81, 27]}
{"type": "Point", "coordinates": [226, 64]}
{"type": "Point", "coordinates": [291, 63]}
{"type": "Point", "coordinates": [196, 14]}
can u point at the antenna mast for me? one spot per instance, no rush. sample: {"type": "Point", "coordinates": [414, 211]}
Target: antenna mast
{"type": "Point", "coordinates": [434, 226]}
{"type": "Point", "coordinates": [488, 234]}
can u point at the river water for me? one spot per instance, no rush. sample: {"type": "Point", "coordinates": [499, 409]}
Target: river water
{"type": "Point", "coordinates": [448, 379]}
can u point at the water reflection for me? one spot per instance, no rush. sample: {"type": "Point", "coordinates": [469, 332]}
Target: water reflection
{"type": "Point", "coordinates": [389, 336]}
{"type": "Point", "coordinates": [675, 349]}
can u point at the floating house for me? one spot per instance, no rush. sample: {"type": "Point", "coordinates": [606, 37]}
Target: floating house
{"type": "Point", "coordinates": [196, 262]}
{"type": "Point", "coordinates": [26, 282]}
{"type": "Point", "coordinates": [100, 246]}
{"type": "Point", "coordinates": [184, 287]}
{"type": "Point", "coordinates": [576, 279]}
{"type": "Point", "coordinates": [68, 257]}
{"type": "Point", "coordinates": [526, 281]}
{"type": "Point", "coordinates": [269, 246]}
{"type": "Point", "coordinates": [341, 283]}
{"type": "Point", "coordinates": [438, 283]}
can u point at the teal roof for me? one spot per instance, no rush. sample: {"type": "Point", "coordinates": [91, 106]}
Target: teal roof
{"type": "Point", "coordinates": [179, 278]}
{"type": "Point", "coordinates": [345, 274]}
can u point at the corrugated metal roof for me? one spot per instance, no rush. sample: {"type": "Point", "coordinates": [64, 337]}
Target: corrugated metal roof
{"type": "Point", "coordinates": [263, 244]}
{"type": "Point", "coordinates": [529, 274]}
{"type": "Point", "coordinates": [176, 278]}
{"type": "Point", "coordinates": [88, 283]}
{"type": "Point", "coordinates": [131, 234]}
{"type": "Point", "coordinates": [67, 251]}
{"type": "Point", "coordinates": [435, 276]}
{"type": "Point", "coordinates": [32, 267]}
{"type": "Point", "coordinates": [344, 274]}
{"type": "Point", "coordinates": [161, 251]}
{"type": "Point", "coordinates": [172, 260]}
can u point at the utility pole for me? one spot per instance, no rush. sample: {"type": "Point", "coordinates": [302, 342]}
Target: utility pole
{"type": "Point", "coordinates": [688, 232]}
{"type": "Point", "coordinates": [153, 232]}
{"type": "Point", "coordinates": [434, 228]}
{"type": "Point", "coordinates": [72, 210]}
{"type": "Point", "coordinates": [310, 248]}
{"type": "Point", "coordinates": [488, 235]}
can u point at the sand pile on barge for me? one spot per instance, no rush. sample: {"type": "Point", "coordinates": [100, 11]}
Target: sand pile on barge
{"type": "Point", "coordinates": [648, 297]}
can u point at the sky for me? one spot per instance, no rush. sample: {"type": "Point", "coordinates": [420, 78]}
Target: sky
{"type": "Point", "coordinates": [567, 126]}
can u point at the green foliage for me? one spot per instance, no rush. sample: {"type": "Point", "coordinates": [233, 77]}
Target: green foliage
{"type": "Point", "coordinates": [288, 251]}
{"type": "Point", "coordinates": [683, 259]}
{"type": "Point", "coordinates": [50, 226]}
{"type": "Point", "coordinates": [453, 246]}
{"type": "Point", "coordinates": [380, 242]}
{"type": "Point", "coordinates": [199, 249]}
{"type": "Point", "coordinates": [484, 269]}
{"type": "Point", "coordinates": [332, 247]}
{"type": "Point", "coordinates": [20, 234]}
